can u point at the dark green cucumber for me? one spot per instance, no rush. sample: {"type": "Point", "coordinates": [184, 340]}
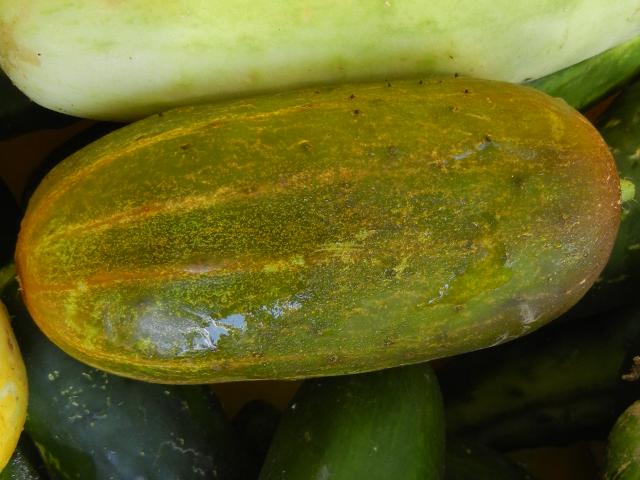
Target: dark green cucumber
{"type": "Point", "coordinates": [25, 464]}
{"type": "Point", "coordinates": [466, 460]}
{"type": "Point", "coordinates": [90, 425]}
{"type": "Point", "coordinates": [584, 83]}
{"type": "Point", "coordinates": [257, 421]}
{"type": "Point", "coordinates": [255, 425]}
{"type": "Point", "coordinates": [557, 385]}
{"type": "Point", "coordinates": [19, 115]}
{"type": "Point", "coordinates": [623, 448]}
{"type": "Point", "coordinates": [381, 425]}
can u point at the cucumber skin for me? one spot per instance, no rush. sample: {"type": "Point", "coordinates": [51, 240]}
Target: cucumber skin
{"type": "Point", "coordinates": [555, 386]}
{"type": "Point", "coordinates": [584, 83]}
{"type": "Point", "coordinates": [257, 422]}
{"type": "Point", "coordinates": [89, 425]}
{"type": "Point", "coordinates": [125, 60]}
{"type": "Point", "coordinates": [623, 459]}
{"type": "Point", "coordinates": [379, 425]}
{"type": "Point", "coordinates": [286, 225]}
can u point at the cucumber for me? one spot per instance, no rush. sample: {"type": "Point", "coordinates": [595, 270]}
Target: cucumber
{"type": "Point", "coordinates": [257, 422]}
{"type": "Point", "coordinates": [89, 425]}
{"type": "Point", "coordinates": [13, 390]}
{"type": "Point", "coordinates": [19, 115]}
{"type": "Point", "coordinates": [585, 83]}
{"type": "Point", "coordinates": [255, 425]}
{"type": "Point", "coordinates": [623, 448]}
{"type": "Point", "coordinates": [261, 239]}
{"type": "Point", "coordinates": [25, 463]}
{"type": "Point", "coordinates": [556, 386]}
{"type": "Point", "coordinates": [123, 60]}
{"type": "Point", "coordinates": [380, 425]}
{"type": "Point", "coordinates": [467, 460]}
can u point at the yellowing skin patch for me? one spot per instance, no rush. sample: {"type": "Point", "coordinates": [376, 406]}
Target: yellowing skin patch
{"type": "Point", "coordinates": [13, 390]}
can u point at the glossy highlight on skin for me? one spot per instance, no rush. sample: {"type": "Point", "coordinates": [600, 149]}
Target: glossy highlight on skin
{"type": "Point", "coordinates": [319, 232]}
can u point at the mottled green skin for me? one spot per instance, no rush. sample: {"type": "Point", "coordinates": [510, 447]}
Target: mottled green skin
{"type": "Point", "coordinates": [623, 449]}
{"type": "Point", "coordinates": [379, 425]}
{"type": "Point", "coordinates": [319, 232]}
{"type": "Point", "coordinates": [553, 387]}
{"type": "Point", "coordinates": [584, 83]}
{"type": "Point", "coordinates": [89, 425]}
{"type": "Point", "coordinates": [467, 460]}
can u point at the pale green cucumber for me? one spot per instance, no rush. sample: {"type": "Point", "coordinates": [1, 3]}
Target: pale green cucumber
{"type": "Point", "coordinates": [126, 59]}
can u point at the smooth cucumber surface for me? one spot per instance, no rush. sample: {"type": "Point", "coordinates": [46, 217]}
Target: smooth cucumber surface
{"type": "Point", "coordinates": [89, 425]}
{"type": "Point", "coordinates": [556, 386]}
{"type": "Point", "coordinates": [13, 390]}
{"type": "Point", "coordinates": [623, 448]}
{"type": "Point", "coordinates": [379, 425]}
{"type": "Point", "coordinates": [116, 60]}
{"type": "Point", "coordinates": [586, 82]}
{"type": "Point", "coordinates": [320, 232]}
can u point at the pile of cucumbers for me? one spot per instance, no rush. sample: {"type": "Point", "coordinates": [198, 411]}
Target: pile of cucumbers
{"type": "Point", "coordinates": [424, 218]}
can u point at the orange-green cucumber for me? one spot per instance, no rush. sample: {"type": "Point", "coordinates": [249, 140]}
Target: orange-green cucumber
{"type": "Point", "coordinates": [320, 232]}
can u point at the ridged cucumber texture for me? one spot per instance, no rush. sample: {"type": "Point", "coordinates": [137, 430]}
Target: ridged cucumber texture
{"type": "Point", "coordinates": [320, 232]}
